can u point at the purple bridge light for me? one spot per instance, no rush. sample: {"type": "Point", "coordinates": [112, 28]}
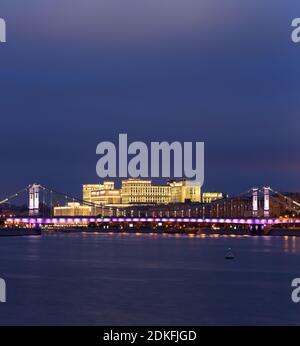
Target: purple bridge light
{"type": "Point", "coordinates": [84, 220]}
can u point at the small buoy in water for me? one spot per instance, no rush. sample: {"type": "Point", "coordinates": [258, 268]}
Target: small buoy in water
{"type": "Point", "coordinates": [229, 254]}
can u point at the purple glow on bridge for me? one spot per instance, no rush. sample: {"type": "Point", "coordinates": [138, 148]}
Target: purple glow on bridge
{"type": "Point", "coordinates": [85, 220]}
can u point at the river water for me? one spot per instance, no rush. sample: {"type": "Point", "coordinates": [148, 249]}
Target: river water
{"type": "Point", "coordinates": [128, 279]}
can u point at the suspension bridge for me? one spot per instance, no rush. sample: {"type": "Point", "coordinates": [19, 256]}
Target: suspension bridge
{"type": "Point", "coordinates": [252, 209]}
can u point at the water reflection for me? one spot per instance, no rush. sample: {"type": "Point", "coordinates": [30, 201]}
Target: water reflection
{"type": "Point", "coordinates": [117, 278]}
{"type": "Point", "coordinates": [290, 244]}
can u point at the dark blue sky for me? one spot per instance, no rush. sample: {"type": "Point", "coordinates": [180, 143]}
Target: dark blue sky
{"type": "Point", "coordinates": [75, 73]}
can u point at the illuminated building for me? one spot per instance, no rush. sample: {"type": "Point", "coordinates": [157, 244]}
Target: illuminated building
{"type": "Point", "coordinates": [88, 189]}
{"type": "Point", "coordinates": [143, 192]}
{"type": "Point", "coordinates": [73, 209]}
{"type": "Point", "coordinates": [208, 197]}
{"type": "Point", "coordinates": [183, 190]}
{"type": "Point", "coordinates": [133, 191]}
{"type": "Point", "coordinates": [106, 197]}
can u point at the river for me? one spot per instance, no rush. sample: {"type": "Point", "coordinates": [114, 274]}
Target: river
{"type": "Point", "coordinates": [128, 279]}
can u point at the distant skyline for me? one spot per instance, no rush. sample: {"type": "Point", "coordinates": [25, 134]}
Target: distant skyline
{"type": "Point", "coordinates": [75, 73]}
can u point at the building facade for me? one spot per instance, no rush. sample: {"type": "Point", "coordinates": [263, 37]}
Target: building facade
{"type": "Point", "coordinates": [184, 190]}
{"type": "Point", "coordinates": [142, 191]}
{"type": "Point", "coordinates": [104, 198]}
{"type": "Point", "coordinates": [139, 191]}
{"type": "Point", "coordinates": [208, 197]}
{"type": "Point", "coordinates": [73, 209]}
{"type": "Point", "coordinates": [88, 190]}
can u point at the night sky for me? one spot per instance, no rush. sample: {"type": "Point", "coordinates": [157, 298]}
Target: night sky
{"type": "Point", "coordinates": [77, 72]}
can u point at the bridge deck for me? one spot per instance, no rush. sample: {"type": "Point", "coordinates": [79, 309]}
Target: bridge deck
{"type": "Point", "coordinates": [72, 220]}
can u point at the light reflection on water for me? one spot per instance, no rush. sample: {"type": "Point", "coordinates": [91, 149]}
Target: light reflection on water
{"type": "Point", "coordinates": [290, 244]}
{"type": "Point", "coordinates": [96, 278]}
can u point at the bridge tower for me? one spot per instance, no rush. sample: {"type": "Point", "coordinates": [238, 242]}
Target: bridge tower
{"type": "Point", "coordinates": [255, 201]}
{"type": "Point", "coordinates": [34, 199]}
{"type": "Point", "coordinates": [266, 190]}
